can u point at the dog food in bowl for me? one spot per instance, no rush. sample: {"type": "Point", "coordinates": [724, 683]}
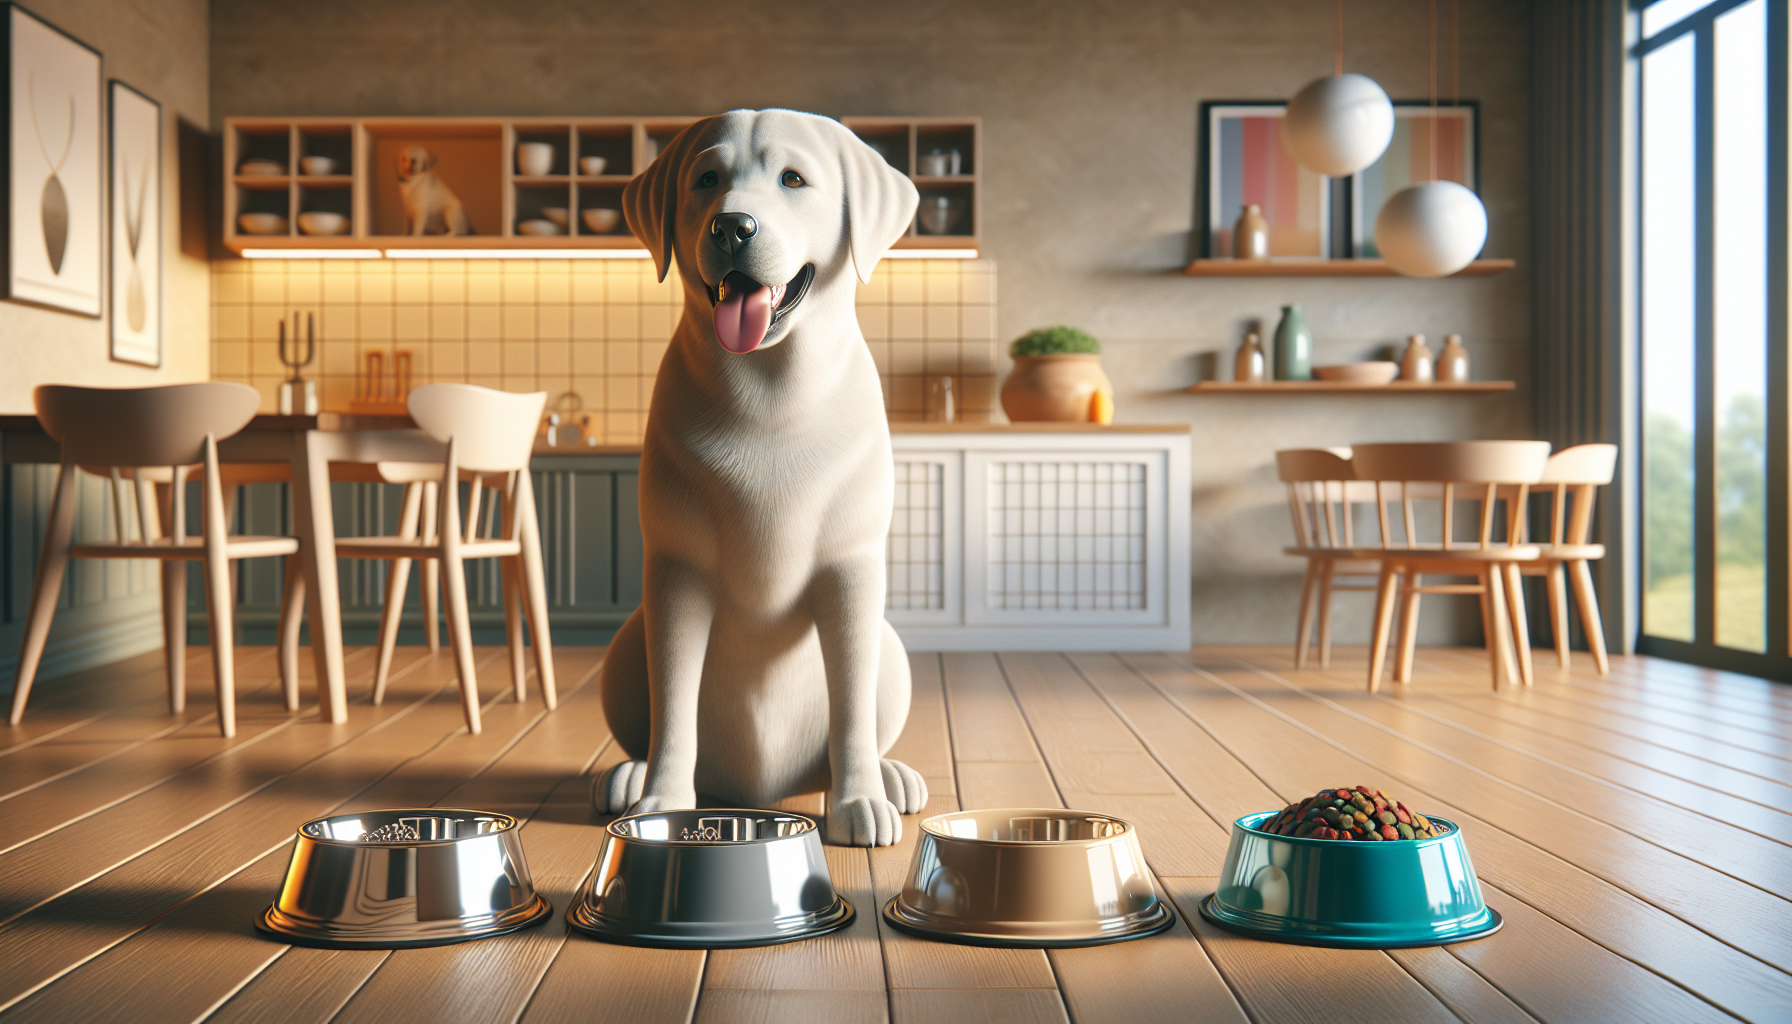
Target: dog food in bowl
{"type": "Point", "coordinates": [1361, 814]}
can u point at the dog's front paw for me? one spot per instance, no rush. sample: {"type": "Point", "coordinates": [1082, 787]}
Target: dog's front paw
{"type": "Point", "coordinates": [904, 786]}
{"type": "Point", "coordinates": [651, 802]}
{"type": "Point", "coordinates": [863, 821]}
{"type": "Point", "coordinates": [618, 787]}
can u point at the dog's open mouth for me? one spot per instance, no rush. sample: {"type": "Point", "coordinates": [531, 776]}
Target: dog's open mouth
{"type": "Point", "coordinates": [746, 310]}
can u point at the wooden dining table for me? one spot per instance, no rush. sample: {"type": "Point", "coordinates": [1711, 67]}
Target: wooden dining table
{"type": "Point", "coordinates": [306, 445]}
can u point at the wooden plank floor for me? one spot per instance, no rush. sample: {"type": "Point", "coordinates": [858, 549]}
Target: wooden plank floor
{"type": "Point", "coordinates": [1634, 831]}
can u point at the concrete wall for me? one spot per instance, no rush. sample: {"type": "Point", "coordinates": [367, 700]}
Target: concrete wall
{"type": "Point", "coordinates": [161, 47]}
{"type": "Point", "coordinates": [1090, 115]}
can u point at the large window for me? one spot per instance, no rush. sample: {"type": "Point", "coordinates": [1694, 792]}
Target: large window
{"type": "Point", "coordinates": [1712, 296]}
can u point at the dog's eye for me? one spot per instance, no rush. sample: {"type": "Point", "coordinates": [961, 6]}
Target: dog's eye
{"type": "Point", "coordinates": [707, 180]}
{"type": "Point", "coordinates": [791, 179]}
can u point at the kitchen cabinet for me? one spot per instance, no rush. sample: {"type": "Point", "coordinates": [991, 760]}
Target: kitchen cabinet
{"type": "Point", "coordinates": [1055, 537]}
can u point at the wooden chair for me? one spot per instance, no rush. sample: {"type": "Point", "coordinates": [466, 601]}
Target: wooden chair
{"type": "Point", "coordinates": [150, 433]}
{"type": "Point", "coordinates": [489, 435]}
{"type": "Point", "coordinates": [1323, 497]}
{"type": "Point", "coordinates": [1570, 478]}
{"type": "Point", "coordinates": [1469, 471]}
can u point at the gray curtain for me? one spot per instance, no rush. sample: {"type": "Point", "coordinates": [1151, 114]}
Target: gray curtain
{"type": "Point", "coordinates": [1581, 202]}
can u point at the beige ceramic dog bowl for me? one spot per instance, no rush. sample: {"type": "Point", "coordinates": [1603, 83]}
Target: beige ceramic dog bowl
{"type": "Point", "coordinates": [1375, 371]}
{"type": "Point", "coordinates": [1028, 877]}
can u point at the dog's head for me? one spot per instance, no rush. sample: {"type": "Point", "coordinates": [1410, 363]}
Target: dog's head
{"type": "Point", "coordinates": [760, 208]}
{"type": "Point", "coordinates": [414, 160]}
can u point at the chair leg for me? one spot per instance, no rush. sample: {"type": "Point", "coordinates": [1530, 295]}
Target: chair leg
{"type": "Point", "coordinates": [1409, 627]}
{"type": "Point", "coordinates": [51, 566]}
{"type": "Point", "coordinates": [174, 632]}
{"type": "Point", "coordinates": [1558, 611]}
{"type": "Point", "coordinates": [460, 637]}
{"type": "Point", "coordinates": [511, 574]}
{"type": "Point", "coordinates": [1501, 626]}
{"type": "Point", "coordinates": [1521, 624]}
{"type": "Point", "coordinates": [535, 588]}
{"type": "Point", "coordinates": [1325, 613]}
{"type": "Point", "coordinates": [1385, 592]}
{"type": "Point", "coordinates": [396, 581]}
{"type": "Point", "coordinates": [292, 616]}
{"type": "Point", "coordinates": [432, 575]}
{"type": "Point", "coordinates": [1590, 622]}
{"type": "Point", "coordinates": [1305, 621]}
{"type": "Point", "coordinates": [222, 621]}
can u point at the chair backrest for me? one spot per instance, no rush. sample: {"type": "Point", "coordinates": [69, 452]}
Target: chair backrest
{"type": "Point", "coordinates": [493, 431]}
{"type": "Point", "coordinates": [1571, 478]}
{"type": "Point", "coordinates": [159, 426]}
{"type": "Point", "coordinates": [1322, 488]}
{"type": "Point", "coordinates": [1492, 470]}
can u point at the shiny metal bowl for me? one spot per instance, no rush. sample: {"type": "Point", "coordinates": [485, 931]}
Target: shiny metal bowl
{"type": "Point", "coordinates": [395, 879]}
{"type": "Point", "coordinates": [1323, 892]}
{"type": "Point", "coordinates": [1028, 877]}
{"type": "Point", "coordinates": [710, 879]}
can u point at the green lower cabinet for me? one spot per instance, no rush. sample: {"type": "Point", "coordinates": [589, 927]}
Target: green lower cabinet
{"type": "Point", "coordinates": [591, 554]}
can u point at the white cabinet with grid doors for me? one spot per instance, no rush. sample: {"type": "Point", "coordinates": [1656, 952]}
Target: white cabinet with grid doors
{"type": "Point", "coordinates": [1014, 539]}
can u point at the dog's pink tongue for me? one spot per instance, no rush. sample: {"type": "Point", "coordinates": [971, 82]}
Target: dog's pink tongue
{"type": "Point", "coordinates": [743, 316]}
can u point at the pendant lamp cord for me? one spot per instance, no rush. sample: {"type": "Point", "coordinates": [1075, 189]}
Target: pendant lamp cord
{"type": "Point", "coordinates": [1338, 55]}
{"type": "Point", "coordinates": [1431, 129]}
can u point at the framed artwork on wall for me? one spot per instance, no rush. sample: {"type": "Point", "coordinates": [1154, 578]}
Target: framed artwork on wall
{"type": "Point", "coordinates": [135, 203]}
{"type": "Point", "coordinates": [55, 196]}
{"type": "Point", "coordinates": [1243, 162]}
{"type": "Point", "coordinates": [1408, 160]}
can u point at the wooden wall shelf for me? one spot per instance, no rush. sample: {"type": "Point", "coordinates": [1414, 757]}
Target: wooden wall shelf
{"type": "Point", "coordinates": [477, 157]}
{"type": "Point", "coordinates": [1205, 267]}
{"type": "Point", "coordinates": [1345, 387]}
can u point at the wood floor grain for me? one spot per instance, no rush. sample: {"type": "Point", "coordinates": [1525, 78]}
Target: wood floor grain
{"type": "Point", "coordinates": [1635, 831]}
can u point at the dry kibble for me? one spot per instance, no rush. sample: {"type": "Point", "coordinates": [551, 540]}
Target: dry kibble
{"type": "Point", "coordinates": [1361, 814]}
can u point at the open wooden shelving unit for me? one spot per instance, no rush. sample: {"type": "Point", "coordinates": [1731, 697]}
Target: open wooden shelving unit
{"type": "Point", "coordinates": [903, 141]}
{"type": "Point", "coordinates": [1364, 267]}
{"type": "Point", "coordinates": [1345, 387]}
{"type": "Point", "coordinates": [476, 156]}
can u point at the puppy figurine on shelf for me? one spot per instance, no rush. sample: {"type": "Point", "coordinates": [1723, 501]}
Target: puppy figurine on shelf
{"type": "Point", "coordinates": [759, 664]}
{"type": "Point", "coordinates": [430, 206]}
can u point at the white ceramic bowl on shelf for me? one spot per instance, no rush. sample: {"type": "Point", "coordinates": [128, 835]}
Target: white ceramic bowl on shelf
{"type": "Point", "coordinates": [261, 169]}
{"type": "Point", "coordinates": [317, 165]}
{"type": "Point", "coordinates": [537, 227]}
{"type": "Point", "coordinates": [261, 223]}
{"type": "Point", "coordinates": [557, 214]}
{"type": "Point", "coordinates": [592, 165]}
{"type": "Point", "coordinates": [600, 222]}
{"type": "Point", "coordinates": [534, 159]}
{"type": "Point", "coordinates": [323, 222]}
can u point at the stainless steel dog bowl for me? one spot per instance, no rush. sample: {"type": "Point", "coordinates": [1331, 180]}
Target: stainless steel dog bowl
{"type": "Point", "coordinates": [400, 878]}
{"type": "Point", "coordinates": [1028, 877]}
{"type": "Point", "coordinates": [710, 879]}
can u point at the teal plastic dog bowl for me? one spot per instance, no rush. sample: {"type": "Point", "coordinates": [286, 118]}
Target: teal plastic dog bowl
{"type": "Point", "coordinates": [1360, 895]}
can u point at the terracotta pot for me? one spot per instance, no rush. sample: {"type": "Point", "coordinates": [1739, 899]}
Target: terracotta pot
{"type": "Point", "coordinates": [1057, 388]}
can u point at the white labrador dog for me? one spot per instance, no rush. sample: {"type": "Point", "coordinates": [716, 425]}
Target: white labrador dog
{"type": "Point", "coordinates": [759, 664]}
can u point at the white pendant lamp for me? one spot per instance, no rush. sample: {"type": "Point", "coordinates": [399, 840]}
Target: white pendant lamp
{"type": "Point", "coordinates": [1431, 228]}
{"type": "Point", "coordinates": [1340, 124]}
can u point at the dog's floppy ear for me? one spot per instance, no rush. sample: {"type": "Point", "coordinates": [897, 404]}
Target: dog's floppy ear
{"type": "Point", "coordinates": [650, 200]}
{"type": "Point", "coordinates": [880, 202]}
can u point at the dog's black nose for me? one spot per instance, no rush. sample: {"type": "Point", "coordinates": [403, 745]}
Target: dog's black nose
{"type": "Point", "coordinates": [731, 229]}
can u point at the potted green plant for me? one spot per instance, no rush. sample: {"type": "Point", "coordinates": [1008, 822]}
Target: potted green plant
{"type": "Point", "coordinates": [1057, 378]}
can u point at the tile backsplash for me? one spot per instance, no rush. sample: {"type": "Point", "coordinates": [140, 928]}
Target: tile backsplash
{"type": "Point", "coordinates": [594, 327]}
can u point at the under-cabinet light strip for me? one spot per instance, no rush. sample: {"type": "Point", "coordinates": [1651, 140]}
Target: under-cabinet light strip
{"type": "Point", "coordinates": [535, 254]}
{"type": "Point", "coordinates": [311, 254]}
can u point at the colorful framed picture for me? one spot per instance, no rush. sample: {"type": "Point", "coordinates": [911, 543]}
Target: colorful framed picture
{"type": "Point", "coordinates": [136, 226]}
{"type": "Point", "coordinates": [1408, 159]}
{"type": "Point", "coordinates": [55, 193]}
{"type": "Point", "coordinates": [1243, 162]}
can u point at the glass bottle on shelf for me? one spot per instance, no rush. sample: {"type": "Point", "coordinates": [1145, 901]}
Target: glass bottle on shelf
{"type": "Point", "coordinates": [1294, 346]}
